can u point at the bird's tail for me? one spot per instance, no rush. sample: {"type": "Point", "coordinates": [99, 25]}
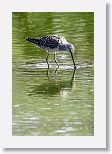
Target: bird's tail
{"type": "Point", "coordinates": [33, 40]}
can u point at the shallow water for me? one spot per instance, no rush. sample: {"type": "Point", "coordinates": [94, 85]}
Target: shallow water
{"type": "Point", "coordinates": [56, 101]}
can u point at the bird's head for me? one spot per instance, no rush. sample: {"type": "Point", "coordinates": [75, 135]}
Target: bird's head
{"type": "Point", "coordinates": [71, 48]}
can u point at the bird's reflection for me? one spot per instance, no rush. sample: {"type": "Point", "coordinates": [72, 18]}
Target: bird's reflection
{"type": "Point", "coordinates": [49, 70]}
{"type": "Point", "coordinates": [55, 85]}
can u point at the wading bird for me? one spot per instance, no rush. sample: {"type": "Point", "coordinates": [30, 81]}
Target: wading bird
{"type": "Point", "coordinates": [53, 44]}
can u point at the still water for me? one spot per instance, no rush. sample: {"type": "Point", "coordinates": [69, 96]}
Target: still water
{"type": "Point", "coordinates": [53, 103]}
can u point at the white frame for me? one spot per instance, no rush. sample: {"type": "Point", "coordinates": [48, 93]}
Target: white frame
{"type": "Point", "coordinates": [99, 138]}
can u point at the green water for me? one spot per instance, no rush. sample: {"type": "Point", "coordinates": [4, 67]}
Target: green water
{"type": "Point", "coordinates": [52, 103]}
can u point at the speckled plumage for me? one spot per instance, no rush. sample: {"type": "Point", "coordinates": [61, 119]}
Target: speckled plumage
{"type": "Point", "coordinates": [53, 44]}
{"type": "Point", "coordinates": [50, 43]}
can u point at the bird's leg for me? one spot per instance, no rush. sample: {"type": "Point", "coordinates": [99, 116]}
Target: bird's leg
{"type": "Point", "coordinates": [47, 59]}
{"type": "Point", "coordinates": [56, 60]}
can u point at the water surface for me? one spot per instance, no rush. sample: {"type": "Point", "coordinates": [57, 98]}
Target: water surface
{"type": "Point", "coordinates": [53, 103]}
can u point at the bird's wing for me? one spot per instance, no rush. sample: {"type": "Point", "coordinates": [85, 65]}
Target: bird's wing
{"type": "Point", "coordinates": [49, 41]}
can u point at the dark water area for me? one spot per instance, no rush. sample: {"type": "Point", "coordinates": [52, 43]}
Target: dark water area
{"type": "Point", "coordinates": [49, 102]}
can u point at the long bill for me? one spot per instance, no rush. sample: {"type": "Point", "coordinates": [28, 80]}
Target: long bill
{"type": "Point", "coordinates": [73, 60]}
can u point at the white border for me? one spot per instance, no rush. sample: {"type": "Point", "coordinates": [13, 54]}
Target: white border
{"type": "Point", "coordinates": [99, 138]}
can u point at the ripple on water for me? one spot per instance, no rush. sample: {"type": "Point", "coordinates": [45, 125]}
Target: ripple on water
{"type": "Point", "coordinates": [65, 129]}
{"type": "Point", "coordinates": [53, 66]}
